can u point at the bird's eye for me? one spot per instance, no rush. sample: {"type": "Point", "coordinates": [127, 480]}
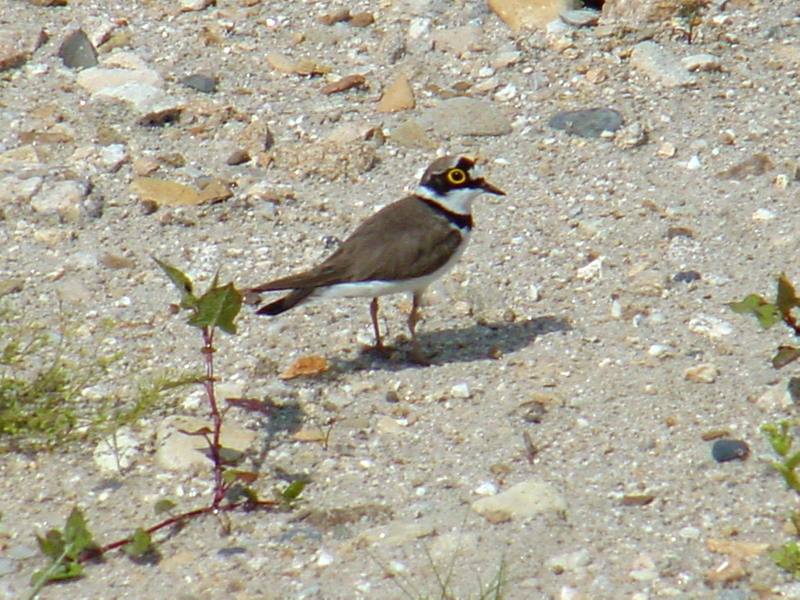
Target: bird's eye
{"type": "Point", "coordinates": [456, 176]}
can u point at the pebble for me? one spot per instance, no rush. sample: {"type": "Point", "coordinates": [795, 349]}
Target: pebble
{"type": "Point", "coordinates": [62, 198]}
{"type": "Point", "coordinates": [113, 156]}
{"type": "Point", "coordinates": [686, 277]}
{"type": "Point", "coordinates": [201, 82]}
{"type": "Point", "coordinates": [397, 96]}
{"type": "Point", "coordinates": [95, 79]}
{"type": "Point", "coordinates": [460, 391]}
{"type": "Point", "coordinates": [580, 17]}
{"type": "Point", "coordinates": [667, 150]}
{"type": "Point", "coordinates": [712, 327]}
{"type": "Point", "coordinates": [523, 500]}
{"type": "Point", "coordinates": [763, 214]}
{"type": "Point", "coordinates": [177, 451]}
{"type": "Point", "coordinates": [195, 5]}
{"type": "Point", "coordinates": [11, 54]}
{"type": "Point", "coordinates": [527, 14]}
{"type": "Point", "coordinates": [658, 350]}
{"type": "Point", "coordinates": [705, 373]}
{"type": "Point", "coordinates": [569, 561]}
{"type": "Point", "coordinates": [777, 397]}
{"type": "Point", "coordinates": [694, 163]}
{"type": "Point", "coordinates": [457, 40]}
{"type": "Point", "coordinates": [118, 451]}
{"type": "Point", "coordinates": [631, 136]}
{"type": "Point", "coordinates": [660, 65]}
{"type": "Point", "coordinates": [487, 488]}
{"type": "Point", "coordinates": [77, 51]}
{"type": "Point", "coordinates": [589, 123]}
{"type": "Point", "coordinates": [727, 449]}
{"type": "Point", "coordinates": [702, 62]}
{"type": "Point", "coordinates": [465, 116]}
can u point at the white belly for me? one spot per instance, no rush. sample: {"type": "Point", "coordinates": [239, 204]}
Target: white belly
{"type": "Point", "coordinates": [372, 289]}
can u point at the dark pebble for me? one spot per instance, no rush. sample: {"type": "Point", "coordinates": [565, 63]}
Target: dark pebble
{"type": "Point", "coordinates": [686, 277]}
{"type": "Point", "coordinates": [232, 551]}
{"type": "Point", "coordinates": [591, 122]}
{"type": "Point", "coordinates": [238, 157]}
{"type": "Point", "coordinates": [201, 82]}
{"type": "Point", "coordinates": [77, 51]}
{"type": "Point", "coordinates": [725, 450]}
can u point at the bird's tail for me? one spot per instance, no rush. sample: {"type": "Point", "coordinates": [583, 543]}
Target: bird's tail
{"type": "Point", "coordinates": [283, 304]}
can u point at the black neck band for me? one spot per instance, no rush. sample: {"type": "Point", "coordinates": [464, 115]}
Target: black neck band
{"type": "Point", "coordinates": [457, 219]}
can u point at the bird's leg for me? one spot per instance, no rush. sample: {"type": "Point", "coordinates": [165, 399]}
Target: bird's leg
{"type": "Point", "coordinates": [416, 353]}
{"type": "Point", "coordinates": [373, 312]}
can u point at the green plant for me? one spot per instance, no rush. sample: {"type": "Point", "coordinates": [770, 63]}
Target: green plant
{"type": "Point", "coordinates": [780, 438]}
{"type": "Point", "coordinates": [787, 557]}
{"type": "Point", "coordinates": [214, 310]}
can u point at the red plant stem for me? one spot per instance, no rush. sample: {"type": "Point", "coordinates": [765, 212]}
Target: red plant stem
{"type": "Point", "coordinates": [208, 383]}
{"type": "Point", "coordinates": [175, 520]}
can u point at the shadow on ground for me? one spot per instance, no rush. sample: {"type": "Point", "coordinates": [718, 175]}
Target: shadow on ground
{"type": "Point", "coordinates": [468, 344]}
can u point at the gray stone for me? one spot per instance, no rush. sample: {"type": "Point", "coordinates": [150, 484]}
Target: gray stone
{"type": "Point", "coordinates": [590, 122]}
{"type": "Point", "coordinates": [523, 500]}
{"type": "Point", "coordinates": [580, 17]}
{"type": "Point", "coordinates": [77, 51]}
{"type": "Point", "coordinates": [201, 82]}
{"type": "Point", "coordinates": [660, 65]}
{"type": "Point", "coordinates": [465, 116]}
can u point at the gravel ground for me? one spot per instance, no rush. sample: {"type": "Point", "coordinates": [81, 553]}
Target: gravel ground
{"type": "Point", "coordinates": [563, 323]}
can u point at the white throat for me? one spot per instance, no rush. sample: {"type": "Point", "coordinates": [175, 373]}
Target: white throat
{"type": "Point", "coordinates": [457, 201]}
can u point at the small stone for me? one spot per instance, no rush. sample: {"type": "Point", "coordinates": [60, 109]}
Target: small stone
{"type": "Point", "coordinates": [667, 150]}
{"type": "Point", "coordinates": [659, 350]}
{"type": "Point", "coordinates": [728, 449]}
{"type": "Point", "coordinates": [410, 134]}
{"type": "Point", "coordinates": [763, 214]}
{"type": "Point", "coordinates": [178, 451]}
{"type": "Point", "coordinates": [386, 424]}
{"type": "Point", "coordinates": [461, 391]}
{"type": "Point", "coordinates": [398, 96]}
{"type": "Point", "coordinates": [63, 198]}
{"type": "Point", "coordinates": [201, 82]}
{"type": "Point", "coordinates": [118, 451]}
{"type": "Point", "coordinates": [590, 123]}
{"type": "Point", "coordinates": [77, 51]}
{"type": "Point", "coordinates": [569, 561]}
{"type": "Point", "coordinates": [660, 65]}
{"type": "Point", "coordinates": [466, 116]}
{"type": "Point", "coordinates": [781, 181]}
{"type": "Point", "coordinates": [523, 500]}
{"type": "Point", "coordinates": [712, 327]}
{"type": "Point", "coordinates": [195, 5]}
{"type": "Point", "coordinates": [630, 136]}
{"type": "Point", "coordinates": [686, 277]}
{"type": "Point", "coordinates": [527, 14]}
{"type": "Point", "coordinates": [345, 83]}
{"type": "Point", "coordinates": [457, 40]}
{"type": "Point", "coordinates": [160, 111]}
{"type": "Point", "coordinates": [324, 559]}
{"type": "Point", "coordinates": [237, 157]}
{"type": "Point", "coordinates": [580, 17]}
{"type": "Point", "coordinates": [593, 270]}
{"type": "Point", "coordinates": [694, 163]}
{"type": "Point", "coordinates": [113, 156]}
{"type": "Point", "coordinates": [702, 62]}
{"type": "Point", "coordinates": [487, 488]}
{"type": "Point", "coordinates": [361, 19]}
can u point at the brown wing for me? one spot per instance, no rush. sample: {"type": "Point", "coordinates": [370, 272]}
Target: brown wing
{"type": "Point", "coordinates": [403, 240]}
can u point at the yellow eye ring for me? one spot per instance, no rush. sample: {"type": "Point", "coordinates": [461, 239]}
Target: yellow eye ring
{"type": "Point", "coordinates": [456, 176]}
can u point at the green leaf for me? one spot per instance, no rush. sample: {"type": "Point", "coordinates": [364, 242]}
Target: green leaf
{"type": "Point", "coordinates": [787, 298]}
{"type": "Point", "coordinates": [164, 505]}
{"type": "Point", "coordinates": [785, 356]}
{"type": "Point", "coordinates": [779, 436]}
{"type": "Point", "coordinates": [141, 543]}
{"type": "Point", "coordinates": [58, 572]}
{"type": "Point", "coordinates": [76, 534]}
{"type": "Point", "coordinates": [293, 490]}
{"type": "Point", "coordinates": [181, 281]}
{"type": "Point", "coordinates": [51, 544]}
{"type": "Point", "coordinates": [218, 307]}
{"type": "Point", "coordinates": [787, 557]}
{"type": "Point", "coordinates": [766, 313]}
{"type": "Point", "coordinates": [232, 475]}
{"type": "Point", "coordinates": [229, 456]}
{"type": "Point", "coordinates": [237, 492]}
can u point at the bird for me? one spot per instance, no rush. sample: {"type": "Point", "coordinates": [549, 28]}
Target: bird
{"type": "Point", "coordinates": [403, 247]}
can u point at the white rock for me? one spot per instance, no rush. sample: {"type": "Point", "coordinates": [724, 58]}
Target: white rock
{"type": "Point", "coordinates": [134, 93]}
{"type": "Point", "coordinates": [523, 500]}
{"type": "Point", "coordinates": [177, 451]}
{"type": "Point", "coordinates": [418, 27]}
{"type": "Point", "coordinates": [96, 79]}
{"type": "Point", "coordinates": [460, 390]}
{"type": "Point", "coordinates": [324, 558]}
{"type": "Point", "coordinates": [712, 327]}
{"type": "Point", "coordinates": [659, 350]}
{"type": "Point", "coordinates": [507, 92]}
{"type": "Point", "coordinates": [763, 214]}
{"type": "Point", "coordinates": [694, 163]}
{"type": "Point", "coordinates": [113, 156]}
{"type": "Point", "coordinates": [487, 488]}
{"type": "Point", "coordinates": [660, 65]}
{"type": "Point", "coordinates": [118, 451]}
{"type": "Point", "coordinates": [594, 270]}
{"type": "Point", "coordinates": [705, 373]}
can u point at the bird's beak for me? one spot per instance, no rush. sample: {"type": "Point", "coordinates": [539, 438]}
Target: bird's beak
{"type": "Point", "coordinates": [489, 188]}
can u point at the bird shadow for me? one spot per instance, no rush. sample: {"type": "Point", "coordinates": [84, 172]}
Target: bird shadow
{"type": "Point", "coordinates": [480, 341]}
